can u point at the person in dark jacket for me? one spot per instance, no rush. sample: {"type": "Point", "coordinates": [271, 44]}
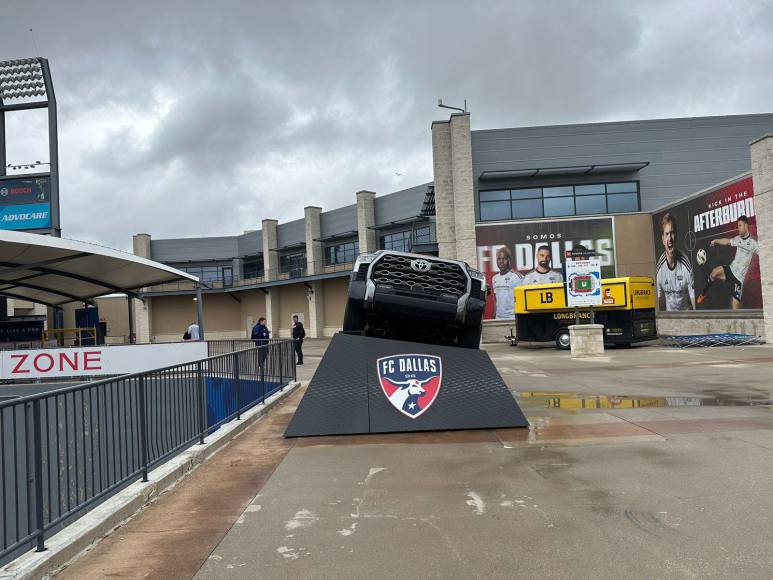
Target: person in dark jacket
{"type": "Point", "coordinates": [261, 334]}
{"type": "Point", "coordinates": [298, 335]}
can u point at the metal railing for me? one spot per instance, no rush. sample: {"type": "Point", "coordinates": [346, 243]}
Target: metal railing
{"type": "Point", "coordinates": [284, 273]}
{"type": "Point", "coordinates": [63, 452]}
{"type": "Point", "coordinates": [226, 345]}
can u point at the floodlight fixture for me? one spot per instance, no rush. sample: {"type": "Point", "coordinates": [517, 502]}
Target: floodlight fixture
{"type": "Point", "coordinates": [464, 110]}
{"type": "Point", "coordinates": [21, 79]}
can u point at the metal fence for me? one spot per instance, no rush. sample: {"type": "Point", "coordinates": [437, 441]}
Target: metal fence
{"type": "Point", "coordinates": [223, 346]}
{"type": "Point", "coordinates": [65, 451]}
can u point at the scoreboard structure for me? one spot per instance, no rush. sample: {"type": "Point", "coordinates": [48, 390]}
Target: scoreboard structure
{"type": "Point", "coordinates": [29, 201]}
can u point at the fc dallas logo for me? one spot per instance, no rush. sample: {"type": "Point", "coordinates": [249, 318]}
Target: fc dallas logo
{"type": "Point", "coordinates": [411, 382]}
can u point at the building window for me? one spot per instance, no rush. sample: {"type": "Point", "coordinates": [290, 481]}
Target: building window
{"type": "Point", "coordinates": [344, 253]}
{"type": "Point", "coordinates": [293, 264]}
{"type": "Point", "coordinates": [536, 202]}
{"type": "Point", "coordinates": [423, 235]}
{"type": "Point", "coordinates": [399, 241]}
{"type": "Point", "coordinates": [210, 274]}
{"type": "Point", "coordinates": [252, 268]}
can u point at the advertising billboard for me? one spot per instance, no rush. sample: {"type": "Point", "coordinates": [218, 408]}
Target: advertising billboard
{"type": "Point", "coordinates": [708, 253]}
{"type": "Point", "coordinates": [516, 254]}
{"type": "Point", "coordinates": [25, 203]}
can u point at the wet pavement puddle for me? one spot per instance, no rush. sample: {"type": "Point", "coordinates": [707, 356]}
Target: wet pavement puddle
{"type": "Point", "coordinates": [579, 401]}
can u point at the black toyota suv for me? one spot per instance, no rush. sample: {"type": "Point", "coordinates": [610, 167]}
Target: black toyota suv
{"type": "Point", "coordinates": [417, 298]}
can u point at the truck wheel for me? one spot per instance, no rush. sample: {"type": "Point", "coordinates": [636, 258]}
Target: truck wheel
{"type": "Point", "coordinates": [563, 341]}
{"type": "Point", "coordinates": [469, 337]}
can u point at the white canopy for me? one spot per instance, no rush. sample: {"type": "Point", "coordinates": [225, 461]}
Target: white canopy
{"type": "Point", "coordinates": [54, 271]}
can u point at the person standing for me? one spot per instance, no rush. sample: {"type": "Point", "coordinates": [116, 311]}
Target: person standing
{"type": "Point", "coordinates": [260, 334]}
{"type": "Point", "coordinates": [193, 332]}
{"type": "Point", "coordinates": [299, 333]}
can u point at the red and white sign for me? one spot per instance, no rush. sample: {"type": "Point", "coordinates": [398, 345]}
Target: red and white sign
{"type": "Point", "coordinates": [97, 360]}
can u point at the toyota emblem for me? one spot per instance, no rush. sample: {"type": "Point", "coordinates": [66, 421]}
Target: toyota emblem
{"type": "Point", "coordinates": [421, 265]}
{"type": "Point", "coordinates": [3, 192]}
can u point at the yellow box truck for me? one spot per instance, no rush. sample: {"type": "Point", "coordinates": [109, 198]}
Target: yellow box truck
{"type": "Point", "coordinates": [627, 312]}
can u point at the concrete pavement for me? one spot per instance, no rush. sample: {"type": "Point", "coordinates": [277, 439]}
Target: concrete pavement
{"type": "Point", "coordinates": [664, 489]}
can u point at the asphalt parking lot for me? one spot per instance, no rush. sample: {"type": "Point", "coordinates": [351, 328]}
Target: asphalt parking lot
{"type": "Point", "coordinates": [649, 462]}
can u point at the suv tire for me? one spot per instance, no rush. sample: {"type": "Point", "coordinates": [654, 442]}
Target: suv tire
{"type": "Point", "coordinates": [469, 337]}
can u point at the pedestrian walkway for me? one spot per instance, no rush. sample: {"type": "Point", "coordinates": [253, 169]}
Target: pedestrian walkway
{"type": "Point", "coordinates": [174, 536]}
{"type": "Point", "coordinates": [672, 490]}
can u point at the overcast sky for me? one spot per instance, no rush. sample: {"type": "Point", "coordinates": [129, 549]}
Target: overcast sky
{"type": "Point", "coordinates": [183, 118]}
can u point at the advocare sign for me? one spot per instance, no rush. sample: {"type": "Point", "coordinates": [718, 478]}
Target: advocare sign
{"type": "Point", "coordinates": [97, 360]}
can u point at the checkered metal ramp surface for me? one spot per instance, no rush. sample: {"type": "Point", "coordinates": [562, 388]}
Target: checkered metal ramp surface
{"type": "Point", "coordinates": [345, 396]}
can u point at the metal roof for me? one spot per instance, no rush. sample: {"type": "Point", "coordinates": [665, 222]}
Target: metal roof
{"type": "Point", "coordinates": [573, 170]}
{"type": "Point", "coordinates": [54, 271]}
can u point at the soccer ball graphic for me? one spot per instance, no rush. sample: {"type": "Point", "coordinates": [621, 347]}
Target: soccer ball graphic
{"type": "Point", "coordinates": [701, 256]}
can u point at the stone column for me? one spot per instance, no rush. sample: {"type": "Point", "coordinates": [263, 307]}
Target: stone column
{"type": "Point", "coordinates": [762, 175]}
{"type": "Point", "coordinates": [444, 189]}
{"type": "Point", "coordinates": [463, 194]}
{"type": "Point", "coordinates": [316, 323]}
{"type": "Point", "coordinates": [314, 258]}
{"type": "Point", "coordinates": [272, 311]}
{"type": "Point", "coordinates": [270, 255]}
{"type": "Point", "coordinates": [143, 310]}
{"type": "Point", "coordinates": [454, 190]}
{"type": "Point", "coordinates": [141, 245]}
{"type": "Point", "coordinates": [366, 219]}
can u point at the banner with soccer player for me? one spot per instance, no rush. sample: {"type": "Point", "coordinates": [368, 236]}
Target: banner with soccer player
{"type": "Point", "coordinates": [525, 253]}
{"type": "Point", "coordinates": [707, 251]}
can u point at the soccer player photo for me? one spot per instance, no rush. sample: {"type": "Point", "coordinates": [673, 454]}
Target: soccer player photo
{"type": "Point", "coordinates": [543, 272]}
{"type": "Point", "coordinates": [734, 273]}
{"type": "Point", "coordinates": [674, 273]}
{"type": "Point", "coordinates": [503, 283]}
{"type": "Point", "coordinates": [708, 251]}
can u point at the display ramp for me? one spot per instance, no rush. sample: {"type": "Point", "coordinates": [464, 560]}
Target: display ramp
{"type": "Point", "coordinates": [374, 385]}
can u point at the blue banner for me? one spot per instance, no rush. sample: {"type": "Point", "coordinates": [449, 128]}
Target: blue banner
{"type": "Point", "coordinates": [25, 217]}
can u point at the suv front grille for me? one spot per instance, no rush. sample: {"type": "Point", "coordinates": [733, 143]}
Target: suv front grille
{"type": "Point", "coordinates": [444, 278]}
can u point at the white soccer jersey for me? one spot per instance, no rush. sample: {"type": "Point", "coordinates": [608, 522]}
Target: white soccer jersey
{"type": "Point", "coordinates": [676, 283]}
{"type": "Point", "coordinates": [549, 277]}
{"type": "Point", "coordinates": [503, 285]}
{"type": "Point", "coordinates": [745, 249]}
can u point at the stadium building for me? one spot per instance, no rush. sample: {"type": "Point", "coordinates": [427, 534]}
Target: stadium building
{"type": "Point", "coordinates": [499, 196]}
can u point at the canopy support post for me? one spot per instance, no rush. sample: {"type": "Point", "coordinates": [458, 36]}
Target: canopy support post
{"type": "Point", "coordinates": [132, 334]}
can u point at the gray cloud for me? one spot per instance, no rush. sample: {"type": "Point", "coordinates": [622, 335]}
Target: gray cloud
{"type": "Point", "coordinates": [183, 119]}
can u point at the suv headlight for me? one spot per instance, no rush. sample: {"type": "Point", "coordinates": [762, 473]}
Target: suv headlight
{"type": "Point", "coordinates": [475, 275]}
{"type": "Point", "coordinates": [361, 265]}
{"type": "Point", "coordinates": [363, 259]}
